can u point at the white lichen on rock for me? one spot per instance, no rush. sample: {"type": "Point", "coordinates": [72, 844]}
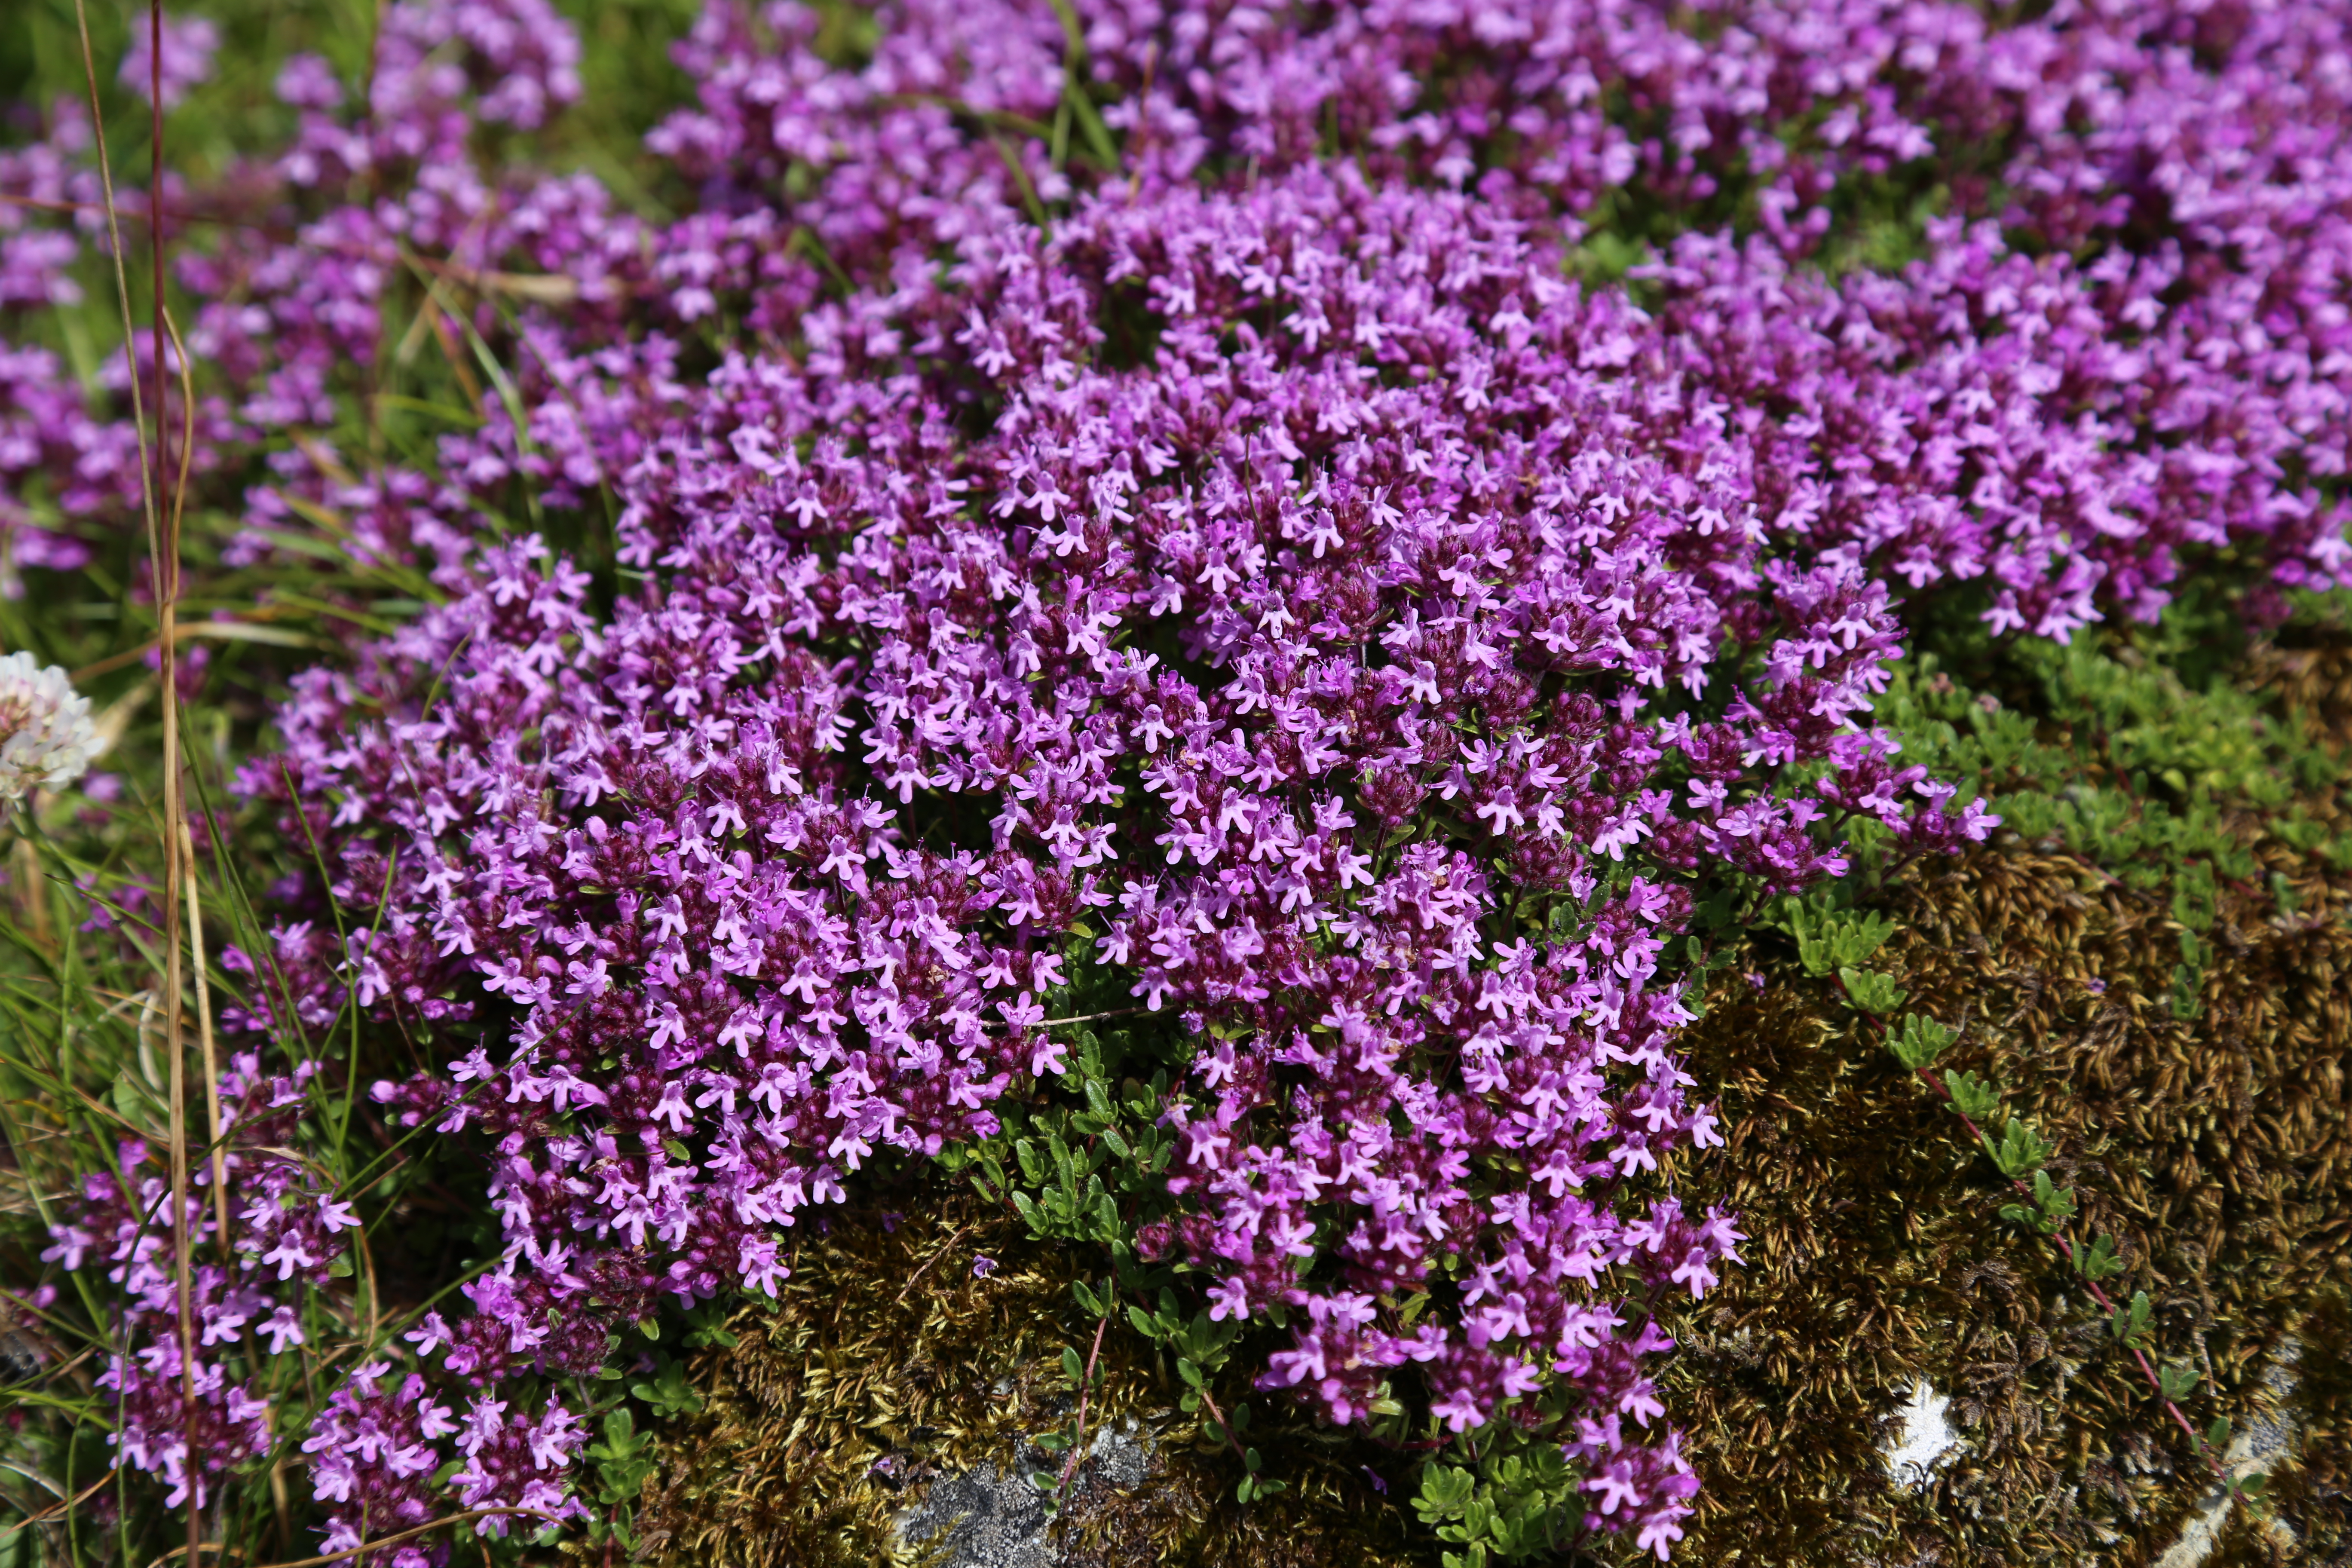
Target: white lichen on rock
{"type": "Point", "coordinates": [991, 1518]}
{"type": "Point", "coordinates": [1923, 1439]}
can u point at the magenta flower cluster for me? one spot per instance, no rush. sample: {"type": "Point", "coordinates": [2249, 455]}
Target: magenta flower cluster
{"type": "Point", "coordinates": [1218, 549]}
{"type": "Point", "coordinates": [288, 1235]}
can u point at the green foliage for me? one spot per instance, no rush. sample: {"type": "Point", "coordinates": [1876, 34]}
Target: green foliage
{"type": "Point", "coordinates": [667, 1391]}
{"type": "Point", "coordinates": [1199, 1344]}
{"type": "Point", "coordinates": [2019, 1151]}
{"type": "Point", "coordinates": [2053, 1205]}
{"type": "Point", "coordinates": [1920, 1041]}
{"type": "Point", "coordinates": [2192, 895]}
{"type": "Point", "coordinates": [1871, 991]}
{"type": "Point", "coordinates": [624, 1459]}
{"type": "Point", "coordinates": [2134, 1323]}
{"type": "Point", "coordinates": [2121, 747]}
{"type": "Point", "coordinates": [2189, 974]}
{"type": "Point", "coordinates": [1091, 1172]}
{"type": "Point", "coordinates": [2176, 1381]}
{"type": "Point", "coordinates": [621, 1464]}
{"type": "Point", "coordinates": [2098, 1260]}
{"type": "Point", "coordinates": [1511, 1506]}
{"type": "Point", "coordinates": [1828, 939]}
{"type": "Point", "coordinates": [1971, 1096]}
{"type": "Point", "coordinates": [1200, 1348]}
{"type": "Point", "coordinates": [2186, 989]}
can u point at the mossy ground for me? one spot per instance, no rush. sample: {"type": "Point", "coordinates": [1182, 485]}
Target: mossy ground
{"type": "Point", "coordinates": [887, 1361]}
{"type": "Point", "coordinates": [2213, 1150]}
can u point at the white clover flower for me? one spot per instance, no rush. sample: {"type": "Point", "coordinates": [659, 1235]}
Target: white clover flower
{"type": "Point", "coordinates": [46, 734]}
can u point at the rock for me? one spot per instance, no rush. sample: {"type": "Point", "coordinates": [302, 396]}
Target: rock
{"type": "Point", "coordinates": [989, 1517]}
{"type": "Point", "coordinates": [1924, 1439]}
{"type": "Point", "coordinates": [2263, 1441]}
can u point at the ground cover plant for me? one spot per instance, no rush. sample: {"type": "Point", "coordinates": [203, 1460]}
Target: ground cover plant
{"type": "Point", "coordinates": [1344, 706]}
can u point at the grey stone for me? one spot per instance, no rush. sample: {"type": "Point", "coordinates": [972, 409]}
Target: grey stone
{"type": "Point", "coordinates": [2258, 1445]}
{"type": "Point", "coordinates": [991, 1517]}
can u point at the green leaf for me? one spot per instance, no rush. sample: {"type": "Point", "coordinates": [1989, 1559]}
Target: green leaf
{"type": "Point", "coordinates": [1971, 1096]}
{"type": "Point", "coordinates": [1072, 1368]}
{"type": "Point", "coordinates": [2192, 896]}
{"type": "Point", "coordinates": [2176, 1380]}
{"type": "Point", "coordinates": [1871, 991]}
{"type": "Point", "coordinates": [2098, 1261]}
{"type": "Point", "coordinates": [2019, 1152]}
{"type": "Point", "coordinates": [2289, 903]}
{"type": "Point", "coordinates": [668, 1392]}
{"type": "Point", "coordinates": [2056, 1203]}
{"type": "Point", "coordinates": [1445, 1493]}
{"type": "Point", "coordinates": [1919, 1041]}
{"type": "Point", "coordinates": [2187, 991]}
{"type": "Point", "coordinates": [2134, 1322]}
{"type": "Point", "coordinates": [1855, 941]}
{"type": "Point", "coordinates": [2217, 1435]}
{"type": "Point", "coordinates": [1827, 939]}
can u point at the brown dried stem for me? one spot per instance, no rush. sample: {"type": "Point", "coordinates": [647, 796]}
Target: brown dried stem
{"type": "Point", "coordinates": [165, 584]}
{"type": "Point", "coordinates": [204, 1041]}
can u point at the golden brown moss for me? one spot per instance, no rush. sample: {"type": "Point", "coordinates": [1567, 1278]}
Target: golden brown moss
{"type": "Point", "coordinates": [2214, 1151]}
{"type": "Point", "coordinates": [887, 1350]}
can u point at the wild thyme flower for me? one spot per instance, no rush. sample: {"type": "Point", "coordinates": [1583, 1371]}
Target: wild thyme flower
{"type": "Point", "coordinates": [1433, 567]}
{"type": "Point", "coordinates": [1268, 585]}
{"type": "Point", "coordinates": [189, 44]}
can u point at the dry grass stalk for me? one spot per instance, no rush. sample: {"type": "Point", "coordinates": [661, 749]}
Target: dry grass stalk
{"type": "Point", "coordinates": [162, 540]}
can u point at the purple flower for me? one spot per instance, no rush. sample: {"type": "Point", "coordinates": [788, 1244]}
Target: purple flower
{"type": "Point", "coordinates": [1278, 577]}
{"type": "Point", "coordinates": [186, 59]}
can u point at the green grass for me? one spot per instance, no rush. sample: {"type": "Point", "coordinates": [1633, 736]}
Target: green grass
{"type": "Point", "coordinates": [82, 1057]}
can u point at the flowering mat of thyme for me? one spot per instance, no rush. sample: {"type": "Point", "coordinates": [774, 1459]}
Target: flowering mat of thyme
{"type": "Point", "coordinates": [1479, 766]}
